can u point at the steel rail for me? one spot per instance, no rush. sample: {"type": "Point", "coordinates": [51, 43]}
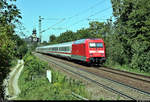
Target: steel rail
{"type": "Point", "coordinates": [109, 70]}
{"type": "Point", "coordinates": [128, 72]}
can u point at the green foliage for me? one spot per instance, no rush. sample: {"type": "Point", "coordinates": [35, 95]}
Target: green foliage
{"type": "Point", "coordinates": [133, 26]}
{"type": "Point", "coordinates": [114, 51]}
{"type": "Point", "coordinates": [37, 87]}
{"type": "Point", "coordinates": [9, 16]}
{"type": "Point", "coordinates": [6, 50]}
{"type": "Point", "coordinates": [65, 37]}
{"type": "Point", "coordinates": [141, 55]}
{"type": "Point", "coordinates": [20, 47]}
{"type": "Point", "coordinates": [52, 38]}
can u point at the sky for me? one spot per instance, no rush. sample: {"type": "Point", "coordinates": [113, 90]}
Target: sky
{"type": "Point", "coordinates": [61, 15]}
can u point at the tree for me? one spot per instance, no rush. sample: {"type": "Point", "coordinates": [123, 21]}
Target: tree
{"type": "Point", "coordinates": [133, 25]}
{"type": "Point", "coordinates": [44, 43]}
{"type": "Point", "coordinates": [100, 29]}
{"type": "Point", "coordinates": [52, 38]}
{"type": "Point", "coordinates": [66, 37]}
{"type": "Point", "coordinates": [9, 15]}
{"type": "Point", "coordinates": [20, 47]}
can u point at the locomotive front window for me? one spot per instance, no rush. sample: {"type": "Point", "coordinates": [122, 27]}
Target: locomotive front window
{"type": "Point", "coordinates": [92, 45]}
{"type": "Point", "coordinates": [99, 45]}
{"type": "Point", "coordinates": [96, 45]}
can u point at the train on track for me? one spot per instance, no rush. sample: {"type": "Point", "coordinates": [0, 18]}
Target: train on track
{"type": "Point", "coordinates": [91, 51]}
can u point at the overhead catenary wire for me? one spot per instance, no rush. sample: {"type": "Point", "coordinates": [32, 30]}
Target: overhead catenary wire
{"type": "Point", "coordinates": [84, 11]}
{"type": "Point", "coordinates": [54, 25]}
{"type": "Point", "coordinates": [91, 15]}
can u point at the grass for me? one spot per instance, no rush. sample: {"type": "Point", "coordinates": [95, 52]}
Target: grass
{"type": "Point", "coordinates": [35, 86]}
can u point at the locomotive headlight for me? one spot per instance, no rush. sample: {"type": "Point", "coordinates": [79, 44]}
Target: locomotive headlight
{"type": "Point", "coordinates": [92, 51]}
{"type": "Point", "coordinates": [102, 54]}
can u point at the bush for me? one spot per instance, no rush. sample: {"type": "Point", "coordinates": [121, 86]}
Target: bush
{"type": "Point", "coordinates": [35, 86]}
{"type": "Point", "coordinates": [115, 52]}
{"type": "Point", "coordinates": [141, 53]}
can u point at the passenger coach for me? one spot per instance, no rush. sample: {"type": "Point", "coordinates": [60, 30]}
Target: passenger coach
{"type": "Point", "coordinates": [87, 50]}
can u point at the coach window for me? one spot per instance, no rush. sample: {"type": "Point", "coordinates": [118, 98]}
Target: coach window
{"type": "Point", "coordinates": [59, 48]}
{"type": "Point", "coordinates": [67, 48]}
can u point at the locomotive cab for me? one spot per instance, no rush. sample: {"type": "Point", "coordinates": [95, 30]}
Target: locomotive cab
{"type": "Point", "coordinates": [96, 50]}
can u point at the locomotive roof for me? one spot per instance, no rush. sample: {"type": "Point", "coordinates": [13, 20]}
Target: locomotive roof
{"type": "Point", "coordinates": [69, 43]}
{"type": "Point", "coordinates": [80, 41]}
{"type": "Point", "coordinates": [83, 40]}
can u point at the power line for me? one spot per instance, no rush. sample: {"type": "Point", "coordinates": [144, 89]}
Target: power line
{"type": "Point", "coordinates": [82, 12]}
{"type": "Point", "coordinates": [99, 12]}
{"type": "Point", "coordinates": [53, 18]}
{"type": "Point", "coordinates": [91, 16]}
{"type": "Point", "coordinates": [93, 6]}
{"type": "Point", "coordinates": [53, 25]}
{"type": "Point", "coordinates": [95, 19]}
{"type": "Point", "coordinates": [58, 28]}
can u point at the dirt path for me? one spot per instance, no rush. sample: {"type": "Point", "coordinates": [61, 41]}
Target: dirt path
{"type": "Point", "coordinates": [11, 82]}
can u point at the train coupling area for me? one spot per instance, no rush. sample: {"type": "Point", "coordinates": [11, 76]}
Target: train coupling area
{"type": "Point", "coordinates": [97, 60]}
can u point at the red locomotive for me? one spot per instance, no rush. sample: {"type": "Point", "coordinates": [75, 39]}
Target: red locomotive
{"type": "Point", "coordinates": [87, 50]}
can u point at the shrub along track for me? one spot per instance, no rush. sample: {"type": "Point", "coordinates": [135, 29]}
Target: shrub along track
{"type": "Point", "coordinates": [106, 79]}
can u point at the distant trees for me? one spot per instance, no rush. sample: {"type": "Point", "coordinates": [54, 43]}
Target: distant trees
{"type": "Point", "coordinates": [52, 38]}
{"type": "Point", "coordinates": [20, 47]}
{"type": "Point", "coordinates": [44, 43]}
{"type": "Point", "coordinates": [66, 37]}
{"type": "Point", "coordinates": [96, 30]}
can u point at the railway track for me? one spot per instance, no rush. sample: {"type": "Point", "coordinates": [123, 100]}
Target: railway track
{"type": "Point", "coordinates": [127, 74]}
{"type": "Point", "coordinates": [111, 85]}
